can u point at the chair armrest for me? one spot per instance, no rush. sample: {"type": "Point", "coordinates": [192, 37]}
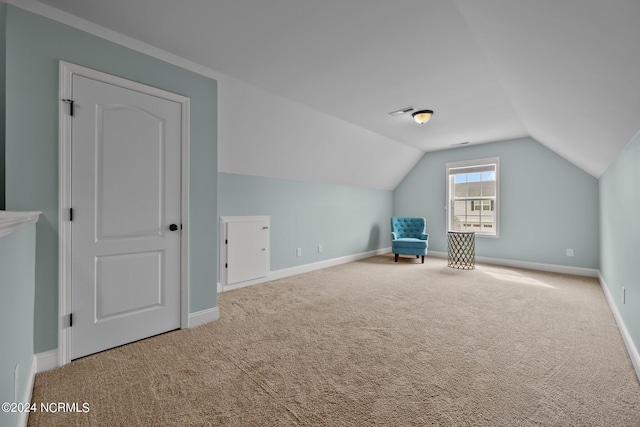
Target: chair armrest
{"type": "Point", "coordinates": [424, 236]}
{"type": "Point", "coordinates": [393, 235]}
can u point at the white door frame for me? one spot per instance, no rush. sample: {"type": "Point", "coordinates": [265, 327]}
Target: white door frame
{"type": "Point", "coordinates": [67, 71]}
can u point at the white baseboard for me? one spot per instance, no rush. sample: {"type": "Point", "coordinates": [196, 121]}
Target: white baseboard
{"type": "Point", "coordinates": [219, 287]}
{"type": "Point", "coordinates": [46, 361]}
{"type": "Point", "coordinates": [203, 316]}
{"type": "Point", "coordinates": [225, 288]}
{"type": "Point", "coordinates": [626, 337]}
{"type": "Point", "coordinates": [552, 268]}
{"type": "Point", "coordinates": [28, 389]}
{"type": "Point", "coordinates": [292, 271]}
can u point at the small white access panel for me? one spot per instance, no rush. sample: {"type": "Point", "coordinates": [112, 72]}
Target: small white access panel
{"type": "Point", "coordinates": [245, 249]}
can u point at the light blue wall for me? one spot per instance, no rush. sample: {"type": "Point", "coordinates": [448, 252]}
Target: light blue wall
{"type": "Point", "coordinates": [344, 220]}
{"type": "Point", "coordinates": [34, 46]}
{"type": "Point", "coordinates": [3, 43]}
{"type": "Point", "coordinates": [17, 289]}
{"type": "Point", "coordinates": [547, 203]}
{"type": "Point", "coordinates": [620, 234]}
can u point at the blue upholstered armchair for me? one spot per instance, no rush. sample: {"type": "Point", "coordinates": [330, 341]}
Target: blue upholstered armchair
{"type": "Point", "coordinates": [409, 237]}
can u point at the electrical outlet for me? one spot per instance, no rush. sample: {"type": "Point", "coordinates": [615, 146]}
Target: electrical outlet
{"type": "Point", "coordinates": [319, 248]}
{"type": "Point", "coordinates": [569, 252]}
{"type": "Point", "coordinates": [299, 252]}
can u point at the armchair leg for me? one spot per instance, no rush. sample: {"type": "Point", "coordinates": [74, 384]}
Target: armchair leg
{"type": "Point", "coordinates": [417, 256]}
{"type": "Point", "coordinates": [396, 257]}
{"type": "Point", "coordinates": [423, 259]}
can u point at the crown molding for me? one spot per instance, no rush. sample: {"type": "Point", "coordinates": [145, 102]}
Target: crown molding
{"type": "Point", "coordinates": [112, 36]}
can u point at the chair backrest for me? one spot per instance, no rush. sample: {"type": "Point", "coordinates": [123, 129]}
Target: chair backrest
{"type": "Point", "coordinates": [408, 227]}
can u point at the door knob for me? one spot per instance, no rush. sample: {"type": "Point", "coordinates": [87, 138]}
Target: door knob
{"type": "Point", "coordinates": [173, 227]}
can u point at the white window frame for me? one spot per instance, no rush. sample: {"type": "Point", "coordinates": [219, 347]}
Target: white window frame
{"type": "Point", "coordinates": [450, 200]}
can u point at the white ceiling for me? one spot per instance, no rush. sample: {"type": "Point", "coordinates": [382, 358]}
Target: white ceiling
{"type": "Point", "coordinates": [565, 72]}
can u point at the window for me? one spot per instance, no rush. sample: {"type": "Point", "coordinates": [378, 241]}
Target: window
{"type": "Point", "coordinates": [473, 196]}
{"type": "Point", "coordinates": [485, 205]}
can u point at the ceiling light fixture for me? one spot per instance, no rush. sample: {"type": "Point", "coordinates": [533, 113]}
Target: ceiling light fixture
{"type": "Point", "coordinates": [422, 116]}
{"type": "Point", "coordinates": [401, 111]}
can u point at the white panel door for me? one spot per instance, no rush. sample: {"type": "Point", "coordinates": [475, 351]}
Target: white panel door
{"type": "Point", "coordinates": [125, 194]}
{"type": "Point", "coordinates": [246, 250]}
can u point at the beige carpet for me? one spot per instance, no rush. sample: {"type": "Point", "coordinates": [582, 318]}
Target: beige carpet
{"type": "Point", "coordinates": [371, 343]}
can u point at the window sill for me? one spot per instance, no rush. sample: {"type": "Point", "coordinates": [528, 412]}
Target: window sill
{"type": "Point", "coordinates": [490, 236]}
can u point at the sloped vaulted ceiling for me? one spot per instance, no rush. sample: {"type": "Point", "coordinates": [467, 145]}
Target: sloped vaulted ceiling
{"type": "Point", "coordinates": [571, 70]}
{"type": "Point", "coordinates": [564, 72]}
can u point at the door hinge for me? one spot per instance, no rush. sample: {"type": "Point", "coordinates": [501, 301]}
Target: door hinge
{"type": "Point", "coordinates": [69, 102]}
{"type": "Point", "coordinates": [226, 265]}
{"type": "Point", "coordinates": [70, 214]}
{"type": "Point", "coordinates": [70, 319]}
{"type": "Point", "coordinates": [226, 242]}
